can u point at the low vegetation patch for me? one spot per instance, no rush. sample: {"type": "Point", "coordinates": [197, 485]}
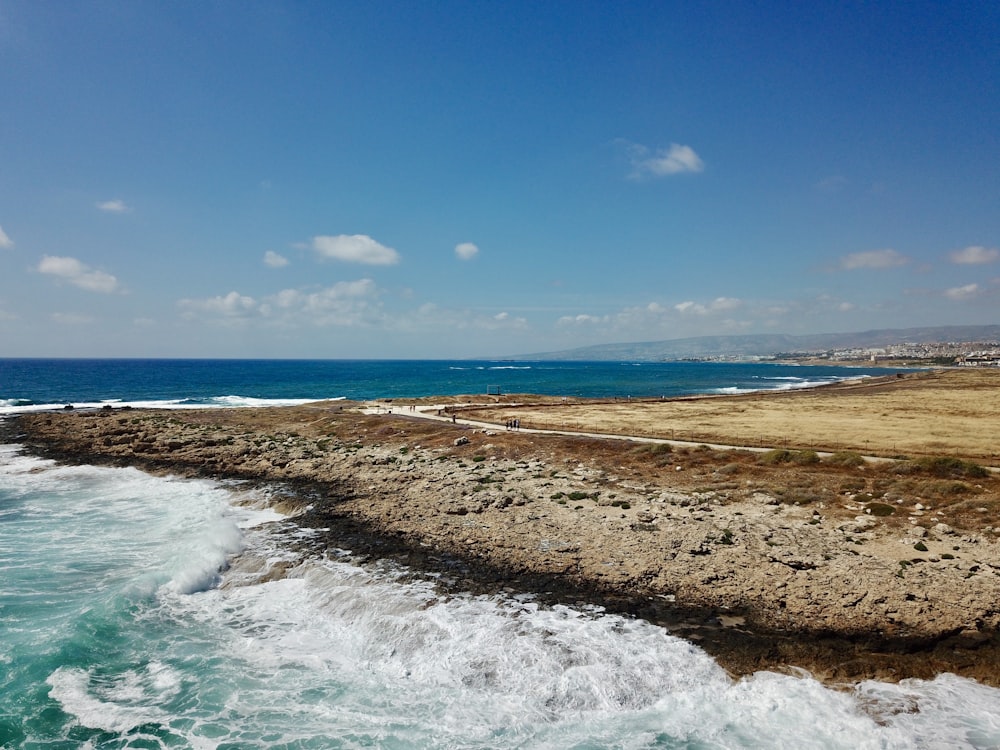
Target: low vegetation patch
{"type": "Point", "coordinates": [943, 467]}
{"type": "Point", "coordinates": [945, 489]}
{"type": "Point", "coordinates": [845, 458]}
{"type": "Point", "coordinates": [783, 455]}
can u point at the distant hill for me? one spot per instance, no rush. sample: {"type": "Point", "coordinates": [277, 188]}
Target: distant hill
{"type": "Point", "coordinates": [766, 345]}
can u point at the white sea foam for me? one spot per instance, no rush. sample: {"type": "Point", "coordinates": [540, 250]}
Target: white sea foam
{"type": "Point", "coordinates": [783, 384]}
{"type": "Point", "coordinates": [341, 655]}
{"type": "Point", "coordinates": [117, 704]}
{"type": "Point", "coordinates": [397, 663]}
{"type": "Point", "coordinates": [20, 406]}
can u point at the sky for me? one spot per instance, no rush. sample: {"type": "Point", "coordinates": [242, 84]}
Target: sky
{"type": "Point", "coordinates": [445, 179]}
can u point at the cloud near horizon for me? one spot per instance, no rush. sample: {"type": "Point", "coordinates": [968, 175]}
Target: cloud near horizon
{"type": "Point", "coordinates": [960, 293]}
{"type": "Point", "coordinates": [344, 303]}
{"type": "Point", "coordinates": [77, 273]}
{"type": "Point", "coordinates": [676, 159]}
{"type": "Point", "coordinates": [275, 260]}
{"type": "Point", "coordinates": [232, 305]}
{"type": "Point", "coordinates": [354, 248]}
{"type": "Point", "coordinates": [466, 250]}
{"type": "Point", "coordinates": [974, 255]}
{"type": "Point", "coordinates": [873, 259]}
{"type": "Point", "coordinates": [5, 241]}
{"type": "Point", "coordinates": [432, 317]}
{"type": "Point", "coordinates": [719, 304]}
{"type": "Point", "coordinates": [116, 206]}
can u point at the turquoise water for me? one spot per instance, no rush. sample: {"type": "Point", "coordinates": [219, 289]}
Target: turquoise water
{"type": "Point", "coordinates": [121, 628]}
{"type": "Point", "coordinates": [136, 612]}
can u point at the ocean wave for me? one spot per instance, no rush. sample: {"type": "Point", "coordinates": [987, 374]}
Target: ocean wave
{"type": "Point", "coordinates": [784, 384]}
{"type": "Point", "coordinates": [21, 406]}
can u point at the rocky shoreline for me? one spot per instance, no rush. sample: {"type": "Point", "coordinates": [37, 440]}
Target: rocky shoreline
{"type": "Point", "coordinates": [701, 543]}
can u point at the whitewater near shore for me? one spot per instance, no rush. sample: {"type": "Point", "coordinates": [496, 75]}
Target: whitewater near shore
{"type": "Point", "coordinates": [777, 557]}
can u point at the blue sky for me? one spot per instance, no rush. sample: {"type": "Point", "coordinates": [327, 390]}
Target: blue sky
{"type": "Point", "coordinates": [461, 179]}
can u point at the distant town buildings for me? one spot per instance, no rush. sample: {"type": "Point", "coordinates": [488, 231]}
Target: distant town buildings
{"type": "Point", "coordinates": [953, 353]}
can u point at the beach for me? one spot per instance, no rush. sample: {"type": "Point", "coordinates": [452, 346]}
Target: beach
{"type": "Point", "coordinates": [773, 558]}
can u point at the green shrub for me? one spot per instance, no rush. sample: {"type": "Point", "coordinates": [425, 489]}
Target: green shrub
{"type": "Point", "coordinates": [920, 547]}
{"type": "Point", "coordinates": [776, 456]}
{"type": "Point", "coordinates": [944, 467]}
{"type": "Point", "coordinates": [945, 488]}
{"type": "Point", "coordinates": [845, 458]}
{"type": "Point", "coordinates": [576, 495]}
{"type": "Point", "coordinates": [657, 449]}
{"type": "Point", "coordinates": [880, 509]}
{"type": "Point", "coordinates": [805, 457]}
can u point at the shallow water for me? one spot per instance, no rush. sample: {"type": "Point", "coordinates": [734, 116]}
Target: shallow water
{"type": "Point", "coordinates": [119, 628]}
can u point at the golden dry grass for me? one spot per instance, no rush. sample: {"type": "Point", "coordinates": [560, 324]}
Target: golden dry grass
{"type": "Point", "coordinates": [949, 412]}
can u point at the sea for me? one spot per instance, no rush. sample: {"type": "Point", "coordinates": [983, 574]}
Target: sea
{"type": "Point", "coordinates": [130, 616]}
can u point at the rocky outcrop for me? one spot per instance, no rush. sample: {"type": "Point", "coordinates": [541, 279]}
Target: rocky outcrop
{"type": "Point", "coordinates": [758, 582]}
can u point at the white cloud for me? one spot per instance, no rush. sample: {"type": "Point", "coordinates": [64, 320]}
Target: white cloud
{"type": "Point", "coordinates": [232, 305]}
{"type": "Point", "coordinates": [582, 319]}
{"type": "Point", "coordinates": [355, 248]}
{"type": "Point", "coordinates": [275, 260]}
{"type": "Point", "coordinates": [116, 206]}
{"type": "Point", "coordinates": [960, 293]}
{"type": "Point", "coordinates": [78, 274]}
{"type": "Point", "coordinates": [886, 258]}
{"type": "Point", "coordinates": [975, 255]}
{"type": "Point", "coordinates": [719, 304]}
{"type": "Point", "coordinates": [466, 250]}
{"type": "Point", "coordinates": [676, 159]}
{"type": "Point", "coordinates": [5, 241]}
{"type": "Point", "coordinates": [344, 303]}
{"type": "Point", "coordinates": [432, 317]}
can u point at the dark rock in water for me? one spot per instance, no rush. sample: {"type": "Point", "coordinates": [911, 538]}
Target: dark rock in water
{"type": "Point", "coordinates": [69, 407]}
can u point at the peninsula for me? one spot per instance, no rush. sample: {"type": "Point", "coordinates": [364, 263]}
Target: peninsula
{"type": "Point", "coordinates": [850, 530]}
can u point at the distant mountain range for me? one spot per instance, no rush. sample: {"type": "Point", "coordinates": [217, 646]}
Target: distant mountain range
{"type": "Point", "coordinates": [767, 345]}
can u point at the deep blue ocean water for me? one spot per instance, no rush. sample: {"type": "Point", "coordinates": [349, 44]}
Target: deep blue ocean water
{"type": "Point", "coordinates": [48, 382]}
{"type": "Point", "coordinates": [121, 625]}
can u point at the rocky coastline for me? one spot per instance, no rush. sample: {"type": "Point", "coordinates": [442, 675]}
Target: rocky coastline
{"type": "Point", "coordinates": [700, 541]}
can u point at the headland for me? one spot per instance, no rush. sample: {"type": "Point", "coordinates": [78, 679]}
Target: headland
{"type": "Point", "coordinates": [850, 530]}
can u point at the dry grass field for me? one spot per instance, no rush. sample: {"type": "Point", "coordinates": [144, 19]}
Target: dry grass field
{"type": "Point", "coordinates": [939, 413]}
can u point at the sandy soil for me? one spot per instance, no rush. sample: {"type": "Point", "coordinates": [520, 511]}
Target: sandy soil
{"type": "Point", "coordinates": [951, 412]}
